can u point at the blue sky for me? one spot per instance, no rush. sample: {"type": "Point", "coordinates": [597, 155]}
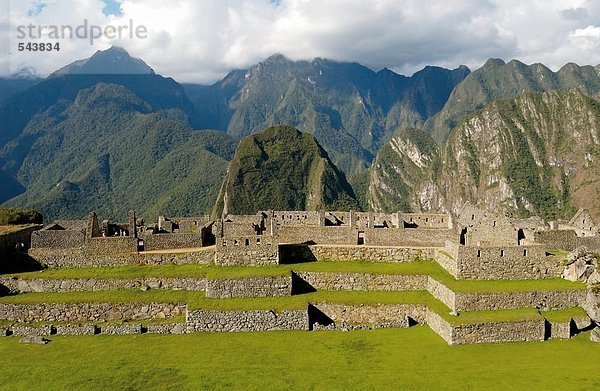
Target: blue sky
{"type": "Point", "coordinates": [202, 40]}
{"type": "Point", "coordinates": [112, 7]}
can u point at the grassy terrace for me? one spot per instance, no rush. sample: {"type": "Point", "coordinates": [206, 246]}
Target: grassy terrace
{"type": "Point", "coordinates": [430, 268]}
{"type": "Point", "coordinates": [196, 300]}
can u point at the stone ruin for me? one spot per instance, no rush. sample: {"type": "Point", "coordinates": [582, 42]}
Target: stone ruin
{"type": "Point", "coordinates": [474, 245]}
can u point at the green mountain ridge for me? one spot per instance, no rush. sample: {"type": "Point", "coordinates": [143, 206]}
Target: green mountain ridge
{"type": "Point", "coordinates": [499, 80]}
{"type": "Point", "coordinates": [109, 152]}
{"type": "Point", "coordinates": [282, 168]}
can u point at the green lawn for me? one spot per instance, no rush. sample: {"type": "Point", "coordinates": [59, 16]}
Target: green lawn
{"type": "Point", "coordinates": [407, 359]}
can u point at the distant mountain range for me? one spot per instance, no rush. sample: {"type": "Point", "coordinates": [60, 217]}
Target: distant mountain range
{"type": "Point", "coordinates": [107, 133]}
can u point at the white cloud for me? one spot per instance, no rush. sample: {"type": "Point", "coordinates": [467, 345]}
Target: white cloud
{"type": "Point", "coordinates": [201, 40]}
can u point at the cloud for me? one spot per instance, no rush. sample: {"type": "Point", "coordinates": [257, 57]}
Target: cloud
{"type": "Point", "coordinates": [201, 40]}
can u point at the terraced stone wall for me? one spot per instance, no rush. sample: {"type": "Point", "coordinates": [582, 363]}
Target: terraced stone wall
{"type": "Point", "coordinates": [365, 253]}
{"type": "Point", "coordinates": [271, 286]}
{"type": "Point", "coordinates": [88, 312]}
{"type": "Point", "coordinates": [251, 320]}
{"type": "Point", "coordinates": [525, 330]}
{"type": "Point", "coordinates": [78, 258]}
{"type": "Point", "coordinates": [397, 315]}
{"type": "Point", "coordinates": [362, 281]}
{"type": "Point", "coordinates": [17, 285]}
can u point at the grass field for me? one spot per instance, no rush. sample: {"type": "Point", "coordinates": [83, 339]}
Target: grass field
{"type": "Point", "coordinates": [389, 359]}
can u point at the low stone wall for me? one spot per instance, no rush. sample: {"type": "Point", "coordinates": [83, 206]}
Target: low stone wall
{"type": "Point", "coordinates": [252, 320]}
{"type": "Point", "coordinates": [396, 315]}
{"type": "Point", "coordinates": [204, 257]}
{"type": "Point", "coordinates": [247, 251]}
{"type": "Point", "coordinates": [362, 281]}
{"type": "Point", "coordinates": [273, 286]}
{"type": "Point", "coordinates": [121, 329]}
{"type": "Point", "coordinates": [29, 331]}
{"type": "Point", "coordinates": [76, 329]}
{"type": "Point", "coordinates": [17, 285]}
{"type": "Point", "coordinates": [88, 312]}
{"type": "Point", "coordinates": [519, 331]}
{"type": "Point", "coordinates": [171, 241]}
{"type": "Point", "coordinates": [368, 253]}
{"type": "Point", "coordinates": [77, 258]}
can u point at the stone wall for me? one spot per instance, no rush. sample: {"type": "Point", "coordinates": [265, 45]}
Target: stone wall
{"type": "Point", "coordinates": [397, 315]}
{"type": "Point", "coordinates": [247, 251]}
{"type": "Point", "coordinates": [368, 253]}
{"type": "Point", "coordinates": [110, 245]}
{"type": "Point", "coordinates": [78, 258]}
{"type": "Point", "coordinates": [251, 320]}
{"type": "Point", "coordinates": [441, 292]}
{"type": "Point", "coordinates": [426, 220]}
{"type": "Point", "coordinates": [249, 287]}
{"type": "Point", "coordinates": [17, 285]}
{"type": "Point", "coordinates": [409, 237]}
{"type": "Point", "coordinates": [479, 301]}
{"type": "Point", "coordinates": [86, 312]}
{"type": "Point", "coordinates": [545, 300]}
{"type": "Point", "coordinates": [566, 240]}
{"type": "Point", "coordinates": [57, 239]}
{"type": "Point", "coordinates": [491, 332]}
{"type": "Point", "coordinates": [362, 281]}
{"type": "Point", "coordinates": [518, 331]}
{"type": "Point", "coordinates": [317, 235]}
{"type": "Point", "coordinates": [439, 326]}
{"type": "Point", "coordinates": [506, 262]}
{"type": "Point", "coordinates": [171, 241]}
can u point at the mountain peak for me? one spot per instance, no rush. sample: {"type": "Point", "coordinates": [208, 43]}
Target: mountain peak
{"type": "Point", "coordinates": [493, 62]}
{"type": "Point", "coordinates": [114, 60]}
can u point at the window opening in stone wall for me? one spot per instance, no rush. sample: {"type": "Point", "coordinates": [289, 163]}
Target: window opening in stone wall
{"type": "Point", "coordinates": [247, 242]}
{"type": "Point", "coordinates": [478, 253]}
{"type": "Point", "coordinates": [257, 240]}
{"type": "Point", "coordinates": [494, 224]}
{"type": "Point", "coordinates": [501, 253]}
{"type": "Point", "coordinates": [235, 242]}
{"type": "Point", "coordinates": [525, 252]}
{"type": "Point", "coordinates": [472, 217]}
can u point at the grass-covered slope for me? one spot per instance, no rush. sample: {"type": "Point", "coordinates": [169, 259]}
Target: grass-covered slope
{"type": "Point", "coordinates": [282, 168]}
